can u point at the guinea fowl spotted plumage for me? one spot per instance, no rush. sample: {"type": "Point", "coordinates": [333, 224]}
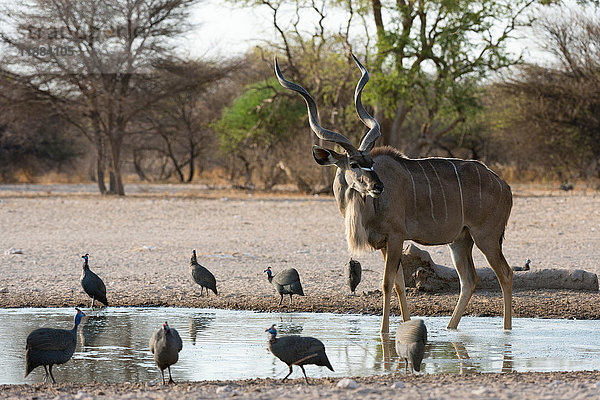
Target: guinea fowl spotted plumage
{"type": "Point", "coordinates": [49, 346]}
{"type": "Point", "coordinates": [166, 344]}
{"type": "Point", "coordinates": [92, 284]}
{"type": "Point", "coordinates": [353, 273]}
{"type": "Point", "coordinates": [202, 276]}
{"type": "Point", "coordinates": [298, 350]}
{"type": "Point", "coordinates": [411, 337]}
{"type": "Point", "coordinates": [285, 282]}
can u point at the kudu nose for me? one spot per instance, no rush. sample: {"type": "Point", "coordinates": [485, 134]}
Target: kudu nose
{"type": "Point", "coordinates": [376, 189]}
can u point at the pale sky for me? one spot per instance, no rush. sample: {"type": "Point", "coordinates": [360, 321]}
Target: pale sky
{"type": "Point", "coordinates": [225, 30]}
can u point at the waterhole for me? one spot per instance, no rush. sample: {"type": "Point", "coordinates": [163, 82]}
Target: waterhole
{"type": "Point", "coordinates": [225, 344]}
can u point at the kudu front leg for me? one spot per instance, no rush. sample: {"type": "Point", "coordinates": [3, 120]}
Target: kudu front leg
{"type": "Point", "coordinates": [393, 267]}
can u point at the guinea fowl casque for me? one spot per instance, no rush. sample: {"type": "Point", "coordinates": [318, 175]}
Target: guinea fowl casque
{"type": "Point", "coordinates": [50, 346]}
{"type": "Point", "coordinates": [298, 350]}
{"type": "Point", "coordinates": [166, 344]}
{"type": "Point", "coordinates": [202, 276]}
{"type": "Point", "coordinates": [285, 282]}
{"type": "Point", "coordinates": [411, 337]}
{"type": "Point", "coordinates": [92, 284]}
{"type": "Point", "coordinates": [353, 273]}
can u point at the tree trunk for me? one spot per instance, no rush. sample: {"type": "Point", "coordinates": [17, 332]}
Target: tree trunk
{"type": "Point", "coordinates": [116, 184]}
{"type": "Point", "coordinates": [100, 174]}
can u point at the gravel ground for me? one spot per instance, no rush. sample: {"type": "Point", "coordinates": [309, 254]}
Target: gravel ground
{"type": "Point", "coordinates": [555, 385]}
{"type": "Point", "coordinates": [140, 245]}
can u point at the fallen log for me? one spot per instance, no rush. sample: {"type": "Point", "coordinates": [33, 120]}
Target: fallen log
{"type": "Point", "coordinates": [422, 273]}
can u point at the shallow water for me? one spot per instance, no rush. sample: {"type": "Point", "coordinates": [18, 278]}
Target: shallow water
{"type": "Point", "coordinates": [224, 344]}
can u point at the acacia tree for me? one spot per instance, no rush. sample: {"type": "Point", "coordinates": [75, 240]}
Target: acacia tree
{"type": "Point", "coordinates": [88, 57]}
{"type": "Point", "coordinates": [427, 59]}
{"type": "Point", "coordinates": [553, 115]}
{"type": "Point", "coordinates": [33, 139]}
{"type": "Point", "coordinates": [431, 55]}
{"type": "Point", "coordinates": [177, 129]}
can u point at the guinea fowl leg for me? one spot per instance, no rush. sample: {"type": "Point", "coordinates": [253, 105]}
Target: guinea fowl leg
{"type": "Point", "coordinates": [170, 377]}
{"type": "Point", "coordinates": [304, 372]}
{"type": "Point", "coordinates": [281, 301]}
{"type": "Point", "coordinates": [290, 299]}
{"type": "Point", "coordinates": [47, 375]}
{"type": "Point", "coordinates": [288, 365]}
{"type": "Point", "coordinates": [52, 376]}
{"type": "Point", "coordinates": [162, 372]}
{"type": "Point", "coordinates": [93, 300]}
{"type": "Point", "coordinates": [201, 291]}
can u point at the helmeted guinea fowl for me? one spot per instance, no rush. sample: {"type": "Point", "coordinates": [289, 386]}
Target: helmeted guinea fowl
{"type": "Point", "coordinates": [525, 267]}
{"type": "Point", "coordinates": [92, 284]}
{"type": "Point", "coordinates": [411, 337]}
{"type": "Point", "coordinates": [353, 273]}
{"type": "Point", "coordinates": [202, 276]}
{"type": "Point", "coordinates": [49, 346]}
{"type": "Point", "coordinates": [166, 344]}
{"type": "Point", "coordinates": [298, 350]}
{"type": "Point", "coordinates": [285, 282]}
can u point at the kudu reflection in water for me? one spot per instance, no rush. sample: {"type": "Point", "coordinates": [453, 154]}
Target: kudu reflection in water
{"type": "Point", "coordinates": [386, 198]}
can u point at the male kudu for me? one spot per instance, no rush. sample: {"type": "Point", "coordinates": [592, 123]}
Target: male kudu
{"type": "Point", "coordinates": [386, 198]}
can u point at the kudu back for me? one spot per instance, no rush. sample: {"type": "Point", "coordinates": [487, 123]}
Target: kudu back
{"type": "Point", "coordinates": [387, 198]}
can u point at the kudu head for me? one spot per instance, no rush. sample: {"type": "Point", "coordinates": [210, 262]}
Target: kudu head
{"type": "Point", "coordinates": [356, 164]}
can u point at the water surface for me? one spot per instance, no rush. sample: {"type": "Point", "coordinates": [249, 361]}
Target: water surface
{"type": "Point", "coordinates": [226, 344]}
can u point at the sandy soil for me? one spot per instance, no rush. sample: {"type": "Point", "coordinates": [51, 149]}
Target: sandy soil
{"type": "Point", "coordinates": [140, 245]}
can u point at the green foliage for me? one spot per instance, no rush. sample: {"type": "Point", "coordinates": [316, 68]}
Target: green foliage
{"type": "Point", "coordinates": [433, 55]}
{"type": "Point", "coordinates": [261, 116]}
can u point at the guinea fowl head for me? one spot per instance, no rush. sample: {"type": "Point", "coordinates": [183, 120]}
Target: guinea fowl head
{"type": "Point", "coordinates": [269, 273]}
{"type": "Point", "coordinates": [272, 331]}
{"type": "Point", "coordinates": [166, 327]}
{"type": "Point", "coordinates": [80, 314]}
{"type": "Point", "coordinates": [85, 258]}
{"type": "Point", "coordinates": [193, 256]}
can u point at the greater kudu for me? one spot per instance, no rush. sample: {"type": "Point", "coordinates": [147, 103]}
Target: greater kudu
{"type": "Point", "coordinates": [386, 198]}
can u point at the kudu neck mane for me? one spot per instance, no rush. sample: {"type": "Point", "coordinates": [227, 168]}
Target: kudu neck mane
{"type": "Point", "coordinates": [388, 151]}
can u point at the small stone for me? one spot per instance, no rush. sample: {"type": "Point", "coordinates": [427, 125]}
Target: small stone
{"type": "Point", "coordinates": [347, 383]}
{"type": "Point", "coordinates": [12, 250]}
{"type": "Point", "coordinates": [224, 389]}
{"type": "Point", "coordinates": [398, 385]}
{"type": "Point", "coordinates": [479, 391]}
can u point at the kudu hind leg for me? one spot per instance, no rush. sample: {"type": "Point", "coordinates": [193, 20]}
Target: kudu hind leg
{"type": "Point", "coordinates": [495, 258]}
{"type": "Point", "coordinates": [462, 258]}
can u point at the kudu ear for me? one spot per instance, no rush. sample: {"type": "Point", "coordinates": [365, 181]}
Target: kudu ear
{"type": "Point", "coordinates": [325, 156]}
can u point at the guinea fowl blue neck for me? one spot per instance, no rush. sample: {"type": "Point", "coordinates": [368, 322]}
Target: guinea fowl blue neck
{"type": "Point", "coordinates": [269, 274]}
{"type": "Point", "coordinates": [166, 327]}
{"type": "Point", "coordinates": [85, 261]}
{"type": "Point", "coordinates": [273, 332]}
{"type": "Point", "coordinates": [78, 318]}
